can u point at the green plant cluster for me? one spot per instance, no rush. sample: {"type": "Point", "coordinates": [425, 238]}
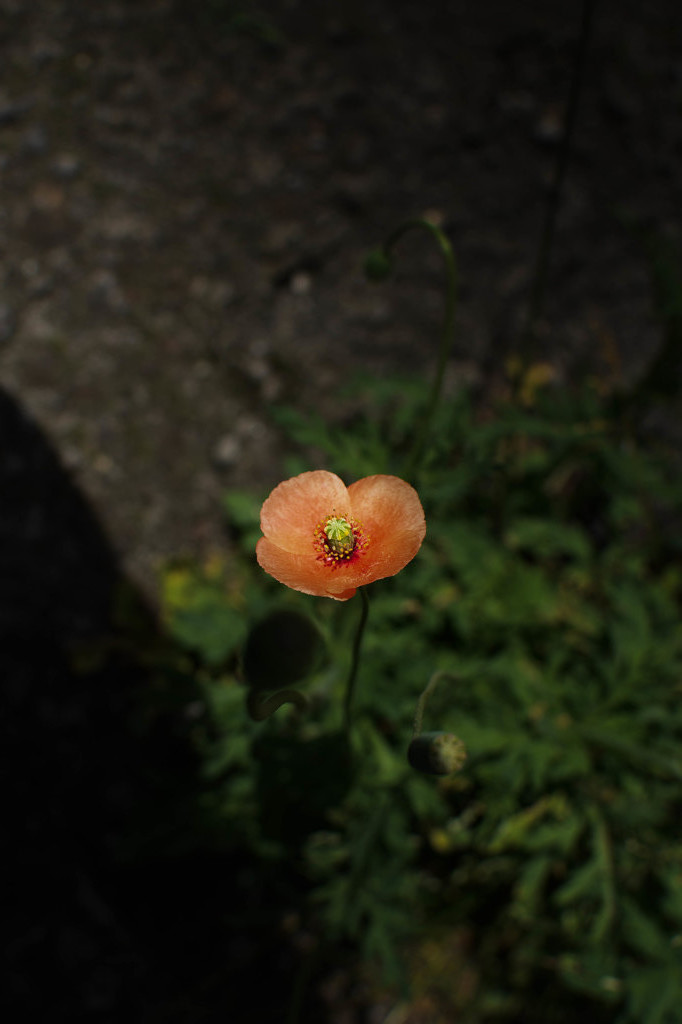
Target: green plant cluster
{"type": "Point", "coordinates": [548, 593]}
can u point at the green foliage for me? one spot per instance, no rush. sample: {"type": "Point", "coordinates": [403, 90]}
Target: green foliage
{"type": "Point", "coordinates": [548, 589]}
{"type": "Point", "coordinates": [201, 614]}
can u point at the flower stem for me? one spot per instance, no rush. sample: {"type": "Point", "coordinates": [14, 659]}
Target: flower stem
{"type": "Point", "coordinates": [556, 190]}
{"type": "Point", "coordinates": [426, 693]}
{"type": "Point", "coordinates": [352, 675]}
{"type": "Point", "coordinates": [604, 854]}
{"type": "Point", "coordinates": [447, 334]}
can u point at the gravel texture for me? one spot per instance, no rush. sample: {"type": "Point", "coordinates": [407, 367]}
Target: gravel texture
{"type": "Point", "coordinates": [189, 189]}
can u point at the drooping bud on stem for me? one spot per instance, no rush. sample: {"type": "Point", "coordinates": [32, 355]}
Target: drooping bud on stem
{"type": "Point", "coordinates": [435, 753]}
{"type": "Point", "coordinates": [378, 266]}
{"type": "Point", "coordinates": [280, 650]}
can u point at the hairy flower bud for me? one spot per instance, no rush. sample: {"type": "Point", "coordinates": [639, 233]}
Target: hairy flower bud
{"type": "Point", "coordinates": [280, 650]}
{"type": "Point", "coordinates": [378, 265]}
{"type": "Point", "coordinates": [436, 753]}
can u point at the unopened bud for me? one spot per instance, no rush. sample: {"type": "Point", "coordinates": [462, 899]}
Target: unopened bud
{"type": "Point", "coordinates": [281, 649]}
{"type": "Point", "coordinates": [378, 265]}
{"type": "Point", "coordinates": [436, 753]}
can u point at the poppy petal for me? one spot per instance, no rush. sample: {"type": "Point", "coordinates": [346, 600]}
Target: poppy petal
{"type": "Point", "coordinates": [293, 510]}
{"type": "Point", "coordinates": [393, 518]}
{"type": "Point", "coordinates": [303, 572]}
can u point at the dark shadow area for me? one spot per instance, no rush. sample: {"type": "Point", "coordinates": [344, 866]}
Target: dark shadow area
{"type": "Point", "coordinates": [114, 914]}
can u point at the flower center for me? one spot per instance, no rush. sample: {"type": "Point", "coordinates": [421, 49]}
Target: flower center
{"type": "Point", "coordinates": [339, 540]}
{"type": "Point", "coordinates": [339, 535]}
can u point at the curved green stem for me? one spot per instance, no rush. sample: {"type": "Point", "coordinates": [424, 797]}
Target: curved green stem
{"type": "Point", "coordinates": [557, 185]}
{"type": "Point", "coordinates": [260, 707]}
{"type": "Point", "coordinates": [355, 661]}
{"type": "Point", "coordinates": [448, 331]}
{"type": "Point", "coordinates": [426, 693]}
{"type": "Point", "coordinates": [434, 753]}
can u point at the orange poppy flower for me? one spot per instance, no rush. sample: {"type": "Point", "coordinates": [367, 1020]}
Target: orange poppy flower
{"type": "Point", "coordinates": [326, 539]}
